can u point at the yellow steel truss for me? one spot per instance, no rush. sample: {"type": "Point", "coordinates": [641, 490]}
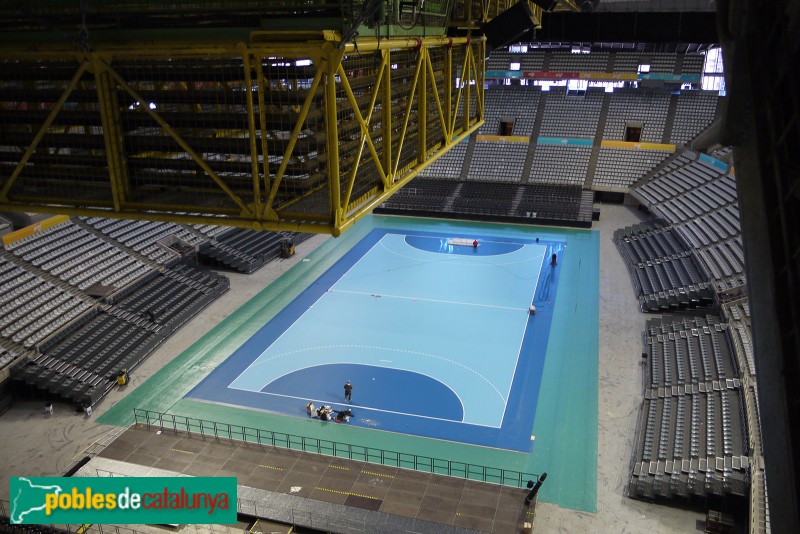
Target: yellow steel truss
{"type": "Point", "coordinates": [271, 134]}
{"type": "Point", "coordinates": [474, 13]}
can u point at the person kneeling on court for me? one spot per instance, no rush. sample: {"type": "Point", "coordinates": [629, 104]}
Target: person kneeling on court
{"type": "Point", "coordinates": [325, 413]}
{"type": "Point", "coordinates": [343, 416]}
{"type": "Point", "coordinates": [310, 410]}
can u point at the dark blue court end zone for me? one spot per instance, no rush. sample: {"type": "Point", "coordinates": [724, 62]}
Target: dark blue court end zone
{"type": "Point", "coordinates": [386, 389]}
{"type": "Point", "coordinates": [415, 404]}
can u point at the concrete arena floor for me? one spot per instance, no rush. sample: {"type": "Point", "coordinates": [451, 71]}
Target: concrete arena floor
{"type": "Point", "coordinates": [32, 444]}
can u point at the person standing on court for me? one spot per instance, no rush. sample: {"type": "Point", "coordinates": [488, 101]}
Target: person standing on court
{"type": "Point", "coordinates": [348, 391]}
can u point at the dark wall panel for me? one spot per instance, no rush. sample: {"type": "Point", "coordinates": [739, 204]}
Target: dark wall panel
{"type": "Point", "coordinates": [629, 27]}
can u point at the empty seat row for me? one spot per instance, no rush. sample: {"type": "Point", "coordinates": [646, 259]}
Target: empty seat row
{"type": "Point", "coordinates": [619, 168]}
{"type": "Point", "coordinates": [497, 161]}
{"type": "Point", "coordinates": [560, 164]}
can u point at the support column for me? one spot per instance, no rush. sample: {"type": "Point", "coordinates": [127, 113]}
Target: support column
{"type": "Point", "coordinates": [112, 135]}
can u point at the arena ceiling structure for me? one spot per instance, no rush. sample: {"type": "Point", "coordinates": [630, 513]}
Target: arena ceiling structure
{"type": "Point", "coordinates": [291, 115]}
{"type": "Point", "coordinates": [276, 114]}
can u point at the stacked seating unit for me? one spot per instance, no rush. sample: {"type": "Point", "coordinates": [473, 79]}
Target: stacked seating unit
{"type": "Point", "coordinates": [575, 117]}
{"type": "Point", "coordinates": [626, 62]}
{"type": "Point", "coordinates": [502, 59]}
{"type": "Point", "coordinates": [660, 63]}
{"type": "Point", "coordinates": [695, 111]}
{"type": "Point", "coordinates": [665, 273]}
{"type": "Point", "coordinates": [448, 165]}
{"type": "Point", "coordinates": [170, 298]}
{"type": "Point", "coordinates": [80, 258]}
{"type": "Point", "coordinates": [555, 203]}
{"type": "Point", "coordinates": [721, 152]}
{"type": "Point", "coordinates": [422, 195]}
{"type": "Point", "coordinates": [9, 353]}
{"type": "Point", "coordinates": [738, 316]}
{"type": "Point", "coordinates": [534, 203]}
{"type": "Point", "coordinates": [485, 199]}
{"type": "Point", "coordinates": [640, 106]}
{"type": "Point", "coordinates": [516, 102]}
{"type": "Point", "coordinates": [701, 203]}
{"type": "Point", "coordinates": [574, 62]}
{"type": "Point", "coordinates": [619, 168]}
{"type": "Point", "coordinates": [688, 350]}
{"type": "Point", "coordinates": [32, 308]}
{"type": "Point", "coordinates": [83, 366]}
{"type": "Point", "coordinates": [596, 61]}
{"type": "Point", "coordinates": [209, 230]}
{"type": "Point", "coordinates": [143, 236]}
{"type": "Point", "coordinates": [241, 249]}
{"type": "Point", "coordinates": [560, 164]}
{"type": "Point", "coordinates": [497, 162]}
{"type": "Point", "coordinates": [693, 64]}
{"type": "Point", "coordinates": [692, 438]}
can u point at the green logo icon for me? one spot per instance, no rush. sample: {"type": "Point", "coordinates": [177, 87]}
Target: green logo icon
{"type": "Point", "coordinates": [184, 500]}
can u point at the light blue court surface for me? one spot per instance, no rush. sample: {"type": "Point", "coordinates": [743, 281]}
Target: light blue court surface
{"type": "Point", "coordinates": [550, 418]}
{"type": "Point", "coordinates": [430, 329]}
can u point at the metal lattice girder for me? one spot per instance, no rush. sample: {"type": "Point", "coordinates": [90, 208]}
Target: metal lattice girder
{"type": "Point", "coordinates": [271, 134]}
{"type": "Point", "coordinates": [475, 13]}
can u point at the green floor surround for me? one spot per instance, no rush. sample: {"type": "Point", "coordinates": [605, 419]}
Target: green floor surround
{"type": "Point", "coordinates": [565, 427]}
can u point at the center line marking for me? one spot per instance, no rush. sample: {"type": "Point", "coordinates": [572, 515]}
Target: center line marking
{"type": "Point", "coordinates": [432, 300]}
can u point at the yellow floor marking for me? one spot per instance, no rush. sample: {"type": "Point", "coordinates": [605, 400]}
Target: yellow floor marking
{"type": "Point", "coordinates": [340, 467]}
{"type": "Point", "coordinates": [183, 451]}
{"type": "Point", "coordinates": [350, 493]}
{"type": "Point", "coordinates": [270, 467]}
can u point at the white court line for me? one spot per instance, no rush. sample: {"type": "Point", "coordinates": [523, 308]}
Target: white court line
{"type": "Point", "coordinates": [522, 341]}
{"type": "Point", "coordinates": [384, 349]}
{"type": "Point", "coordinates": [441, 301]}
{"type": "Point", "coordinates": [464, 262]}
{"type": "Point", "coordinates": [357, 406]}
{"type": "Point", "coordinates": [473, 237]}
{"type": "Point", "coordinates": [380, 242]}
{"type": "Point", "coordinates": [305, 312]}
{"type": "Point", "coordinates": [463, 409]}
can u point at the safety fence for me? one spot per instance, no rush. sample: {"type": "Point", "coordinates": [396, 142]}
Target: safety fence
{"type": "Point", "coordinates": [191, 425]}
{"type": "Point", "coordinates": [245, 507]}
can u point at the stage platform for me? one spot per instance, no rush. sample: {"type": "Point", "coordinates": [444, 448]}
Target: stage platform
{"type": "Point", "coordinates": [286, 485]}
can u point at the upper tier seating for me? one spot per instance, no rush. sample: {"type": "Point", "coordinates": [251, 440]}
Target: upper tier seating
{"type": "Point", "coordinates": [575, 117]}
{"type": "Point", "coordinates": [560, 164]}
{"type": "Point", "coordinates": [618, 168]}
{"type": "Point", "coordinates": [33, 308]}
{"type": "Point", "coordinates": [695, 111]}
{"type": "Point", "coordinates": [514, 102]}
{"type": "Point", "coordinates": [640, 106]}
{"type": "Point", "coordinates": [143, 236]}
{"type": "Point", "coordinates": [80, 258]}
{"type": "Point", "coordinates": [449, 165]}
{"type": "Point", "coordinates": [498, 161]}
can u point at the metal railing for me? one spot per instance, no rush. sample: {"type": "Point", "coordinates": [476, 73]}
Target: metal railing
{"type": "Point", "coordinates": [264, 510]}
{"type": "Point", "coordinates": [254, 509]}
{"type": "Point", "coordinates": [417, 462]}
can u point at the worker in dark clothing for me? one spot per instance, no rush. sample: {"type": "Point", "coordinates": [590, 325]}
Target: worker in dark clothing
{"type": "Point", "coordinates": [348, 391]}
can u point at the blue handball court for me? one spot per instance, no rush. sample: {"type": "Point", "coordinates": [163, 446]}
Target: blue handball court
{"type": "Point", "coordinates": [438, 339]}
